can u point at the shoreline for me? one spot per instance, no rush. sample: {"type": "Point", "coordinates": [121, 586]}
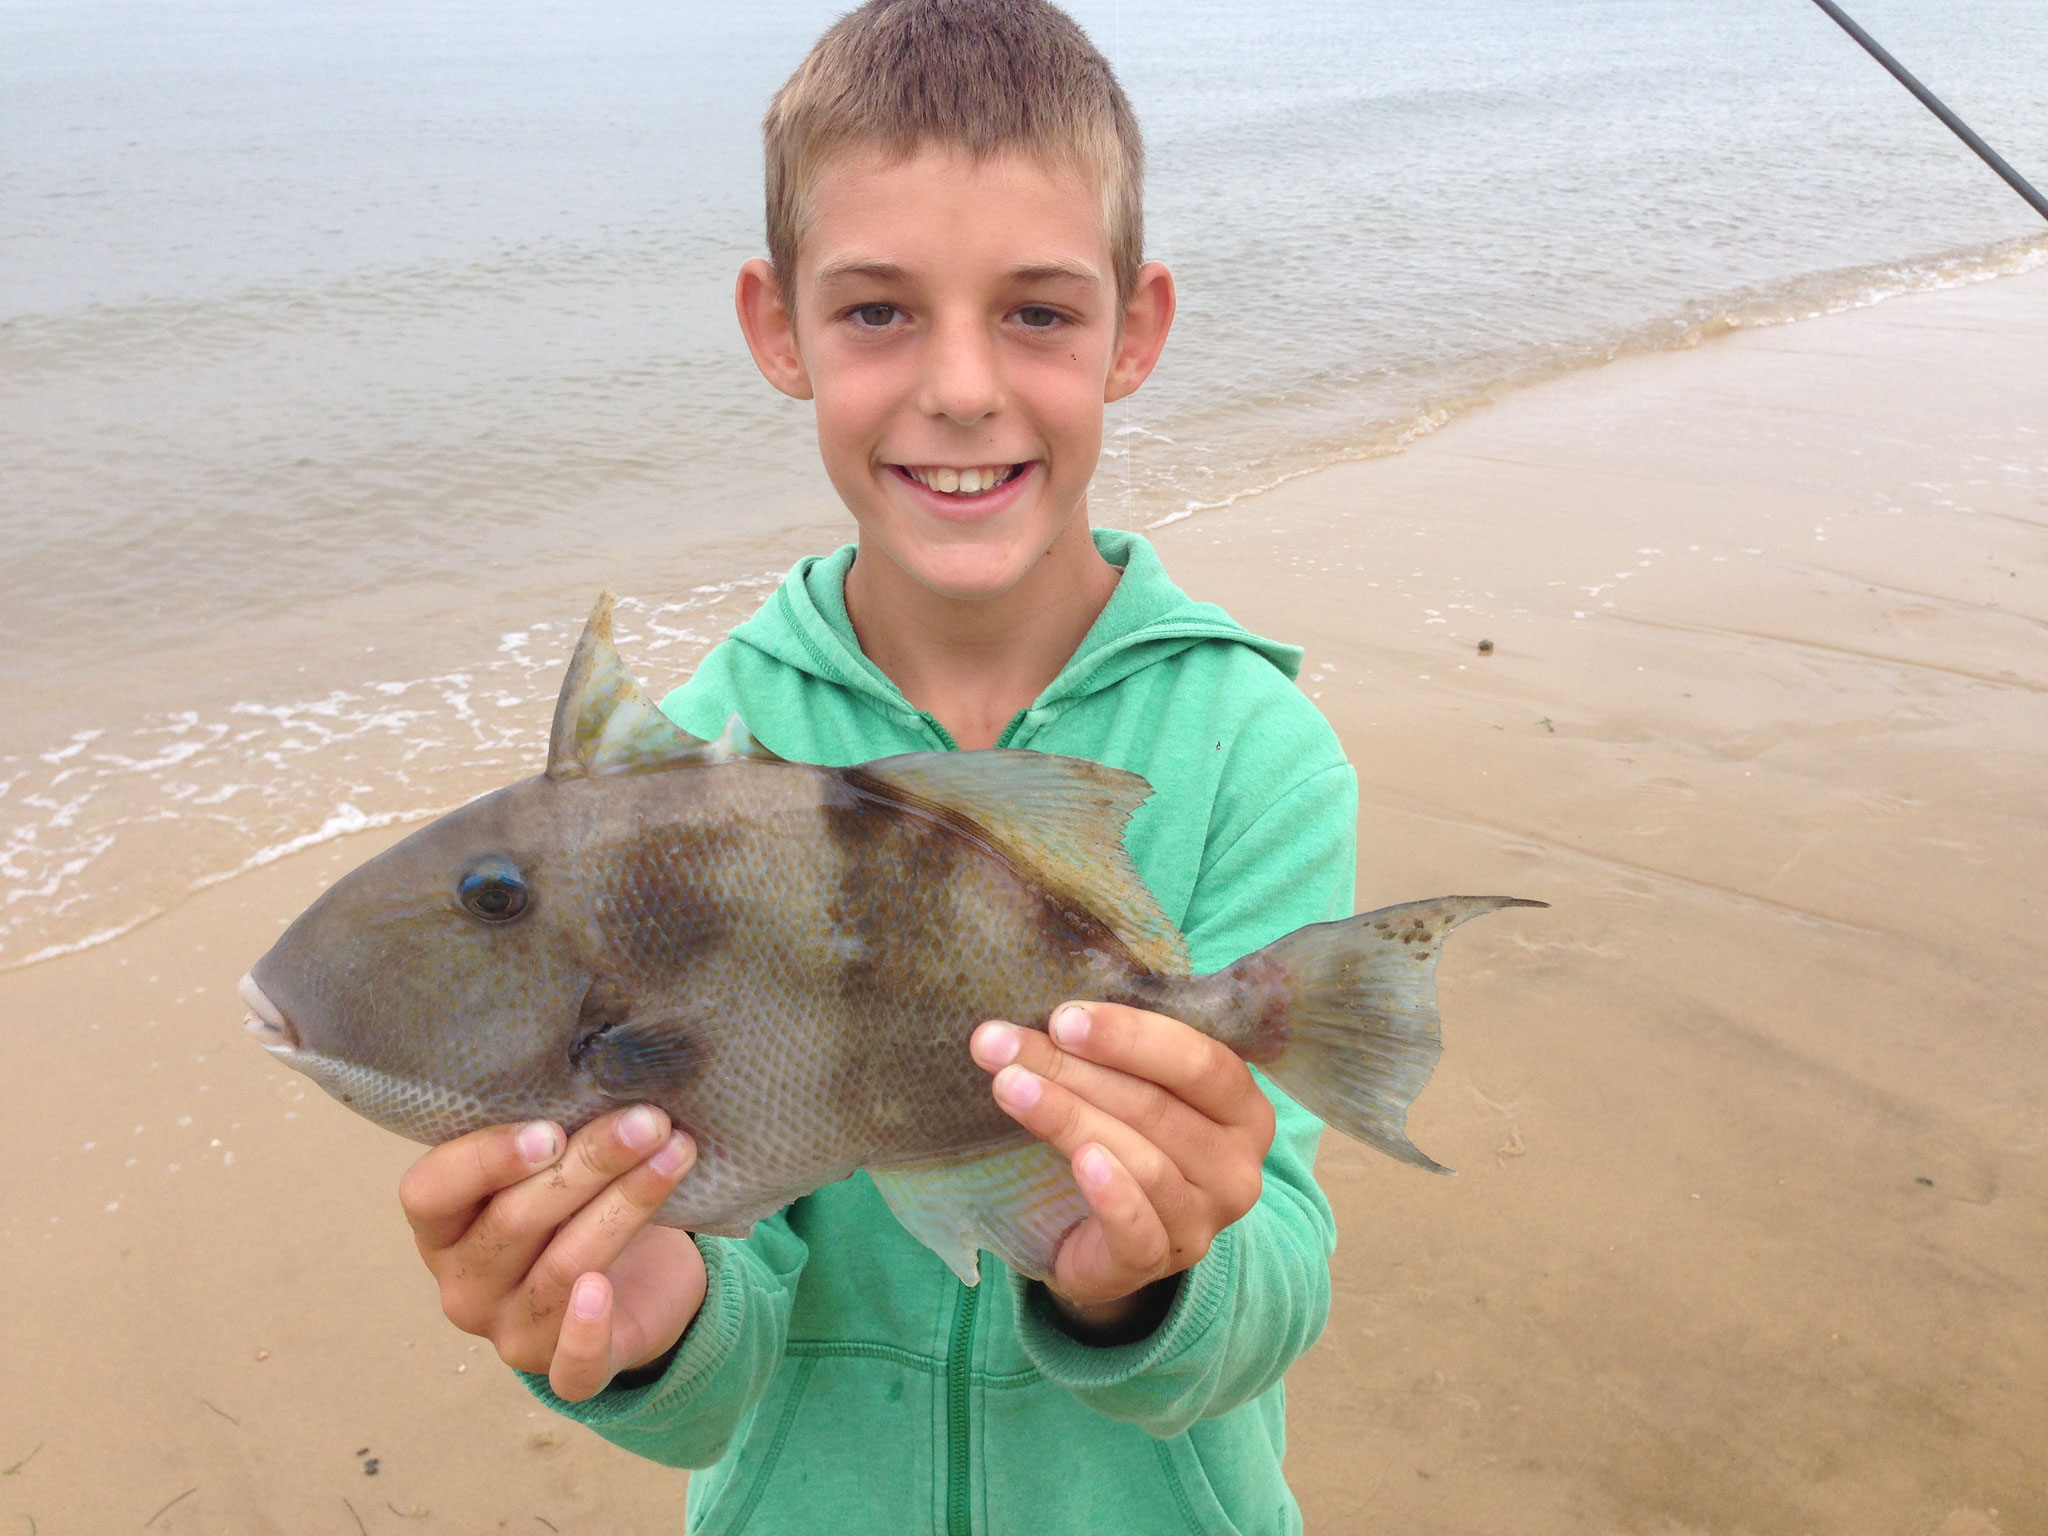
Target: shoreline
{"type": "Point", "coordinates": [1752, 1124]}
{"type": "Point", "coordinates": [1837, 291]}
{"type": "Point", "coordinates": [708, 585]}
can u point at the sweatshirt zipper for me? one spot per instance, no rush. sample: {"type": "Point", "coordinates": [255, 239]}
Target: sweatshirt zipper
{"type": "Point", "coordinates": [1010, 731]}
{"type": "Point", "coordinates": [946, 737]}
{"type": "Point", "coordinates": [959, 1452]}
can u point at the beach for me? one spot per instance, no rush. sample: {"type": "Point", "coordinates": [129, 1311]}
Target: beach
{"type": "Point", "coordinates": [1751, 1127]}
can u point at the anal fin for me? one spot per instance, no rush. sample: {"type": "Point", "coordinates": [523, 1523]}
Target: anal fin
{"type": "Point", "coordinates": [1019, 1204]}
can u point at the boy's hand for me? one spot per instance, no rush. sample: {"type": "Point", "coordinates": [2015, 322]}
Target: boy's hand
{"type": "Point", "coordinates": [1165, 1129]}
{"type": "Point", "coordinates": [546, 1250]}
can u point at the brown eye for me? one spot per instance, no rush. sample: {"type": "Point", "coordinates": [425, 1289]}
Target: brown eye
{"type": "Point", "coordinates": [494, 890]}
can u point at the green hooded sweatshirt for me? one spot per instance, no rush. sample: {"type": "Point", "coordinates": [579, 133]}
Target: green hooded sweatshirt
{"type": "Point", "coordinates": [838, 1378]}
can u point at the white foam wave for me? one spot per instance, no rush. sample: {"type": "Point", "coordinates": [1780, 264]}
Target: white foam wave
{"type": "Point", "coordinates": [345, 820]}
{"type": "Point", "coordinates": [115, 825]}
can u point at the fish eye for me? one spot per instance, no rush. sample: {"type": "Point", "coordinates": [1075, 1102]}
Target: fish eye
{"type": "Point", "coordinates": [494, 890]}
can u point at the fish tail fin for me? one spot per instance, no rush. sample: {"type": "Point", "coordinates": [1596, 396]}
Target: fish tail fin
{"type": "Point", "coordinates": [1358, 1036]}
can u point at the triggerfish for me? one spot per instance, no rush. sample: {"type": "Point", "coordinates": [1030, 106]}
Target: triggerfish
{"type": "Point", "coordinates": [789, 960]}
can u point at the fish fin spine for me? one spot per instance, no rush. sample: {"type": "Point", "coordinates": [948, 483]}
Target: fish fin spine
{"type": "Point", "coordinates": [605, 724]}
{"type": "Point", "coordinates": [738, 742]}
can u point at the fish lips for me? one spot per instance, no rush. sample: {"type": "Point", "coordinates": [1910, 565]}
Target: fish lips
{"type": "Point", "coordinates": [267, 1022]}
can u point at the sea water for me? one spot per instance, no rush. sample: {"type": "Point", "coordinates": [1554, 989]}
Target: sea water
{"type": "Point", "coordinates": [347, 349]}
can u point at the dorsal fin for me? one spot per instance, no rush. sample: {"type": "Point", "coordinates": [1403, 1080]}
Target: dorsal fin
{"type": "Point", "coordinates": [1062, 820]}
{"type": "Point", "coordinates": [738, 742]}
{"type": "Point", "coordinates": [605, 724]}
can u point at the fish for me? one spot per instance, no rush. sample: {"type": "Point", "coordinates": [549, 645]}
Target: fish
{"type": "Point", "coordinates": [789, 958]}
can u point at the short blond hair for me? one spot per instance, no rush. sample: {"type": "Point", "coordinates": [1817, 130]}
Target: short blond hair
{"type": "Point", "coordinates": [983, 76]}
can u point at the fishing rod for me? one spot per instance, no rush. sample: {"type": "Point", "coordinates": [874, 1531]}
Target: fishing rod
{"type": "Point", "coordinates": [1934, 104]}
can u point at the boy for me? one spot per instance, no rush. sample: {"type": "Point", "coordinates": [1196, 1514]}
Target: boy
{"type": "Point", "coordinates": [955, 281]}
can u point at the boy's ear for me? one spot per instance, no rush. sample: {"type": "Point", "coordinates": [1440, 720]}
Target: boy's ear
{"type": "Point", "coordinates": [1147, 318]}
{"type": "Point", "coordinates": [770, 329]}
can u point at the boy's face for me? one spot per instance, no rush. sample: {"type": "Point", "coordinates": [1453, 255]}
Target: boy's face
{"type": "Point", "coordinates": [957, 325]}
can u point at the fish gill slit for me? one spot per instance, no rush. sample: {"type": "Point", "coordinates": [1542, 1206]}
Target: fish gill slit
{"type": "Point", "coordinates": [601, 1011]}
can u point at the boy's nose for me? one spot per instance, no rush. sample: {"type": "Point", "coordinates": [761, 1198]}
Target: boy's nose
{"type": "Point", "coordinates": [962, 379]}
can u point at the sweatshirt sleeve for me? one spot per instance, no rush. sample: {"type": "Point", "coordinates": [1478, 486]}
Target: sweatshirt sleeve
{"type": "Point", "coordinates": [693, 1411]}
{"type": "Point", "coordinates": [1260, 1296]}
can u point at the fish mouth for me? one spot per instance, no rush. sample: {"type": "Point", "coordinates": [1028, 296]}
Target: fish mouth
{"type": "Point", "coordinates": [266, 1021]}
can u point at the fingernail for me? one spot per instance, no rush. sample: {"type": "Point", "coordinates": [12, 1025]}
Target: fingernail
{"type": "Point", "coordinates": [1070, 1027]}
{"type": "Point", "coordinates": [640, 1127]}
{"type": "Point", "coordinates": [587, 1300]}
{"type": "Point", "coordinates": [669, 1160]}
{"type": "Point", "coordinates": [1092, 1167]}
{"type": "Point", "coordinates": [1017, 1087]}
{"type": "Point", "coordinates": [537, 1141]}
{"type": "Point", "coordinates": [995, 1044]}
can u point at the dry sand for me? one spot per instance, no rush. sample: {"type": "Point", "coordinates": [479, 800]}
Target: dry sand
{"type": "Point", "coordinates": [1752, 1228]}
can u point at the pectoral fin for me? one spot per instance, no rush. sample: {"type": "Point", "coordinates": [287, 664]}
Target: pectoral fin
{"type": "Point", "coordinates": [1019, 1204]}
{"type": "Point", "coordinates": [653, 1059]}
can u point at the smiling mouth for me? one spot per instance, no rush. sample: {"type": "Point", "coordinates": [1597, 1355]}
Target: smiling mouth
{"type": "Point", "coordinates": [962, 484]}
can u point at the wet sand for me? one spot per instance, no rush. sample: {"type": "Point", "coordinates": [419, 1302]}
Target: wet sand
{"type": "Point", "coordinates": [1752, 1125]}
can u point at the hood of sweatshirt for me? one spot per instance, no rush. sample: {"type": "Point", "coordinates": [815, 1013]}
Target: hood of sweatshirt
{"type": "Point", "coordinates": [1146, 621]}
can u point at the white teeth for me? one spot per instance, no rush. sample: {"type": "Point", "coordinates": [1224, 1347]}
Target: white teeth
{"type": "Point", "coordinates": [258, 1002]}
{"type": "Point", "coordinates": [960, 482]}
{"type": "Point", "coordinates": [264, 1030]}
{"type": "Point", "coordinates": [266, 1022]}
